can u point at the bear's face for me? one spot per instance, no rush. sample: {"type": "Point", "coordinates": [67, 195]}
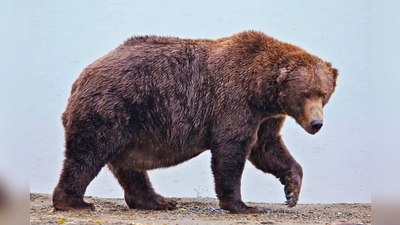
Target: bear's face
{"type": "Point", "coordinates": [305, 90]}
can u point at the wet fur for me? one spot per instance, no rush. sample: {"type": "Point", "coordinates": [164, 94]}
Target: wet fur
{"type": "Point", "coordinates": [158, 101]}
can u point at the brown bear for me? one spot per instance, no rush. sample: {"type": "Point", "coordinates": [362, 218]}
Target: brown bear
{"type": "Point", "coordinates": [155, 102]}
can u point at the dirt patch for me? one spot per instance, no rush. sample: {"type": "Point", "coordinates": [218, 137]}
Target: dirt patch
{"type": "Point", "coordinates": [197, 211]}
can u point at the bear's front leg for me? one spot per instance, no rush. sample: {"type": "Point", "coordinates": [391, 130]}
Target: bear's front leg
{"type": "Point", "coordinates": [271, 156]}
{"type": "Point", "coordinates": [228, 160]}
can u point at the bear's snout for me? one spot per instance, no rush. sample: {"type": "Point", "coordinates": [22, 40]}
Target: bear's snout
{"type": "Point", "coordinates": [316, 125]}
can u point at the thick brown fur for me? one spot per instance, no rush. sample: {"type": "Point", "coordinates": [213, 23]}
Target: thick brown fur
{"type": "Point", "coordinates": [156, 102]}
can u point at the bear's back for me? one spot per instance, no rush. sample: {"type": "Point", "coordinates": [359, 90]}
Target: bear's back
{"type": "Point", "coordinates": [161, 40]}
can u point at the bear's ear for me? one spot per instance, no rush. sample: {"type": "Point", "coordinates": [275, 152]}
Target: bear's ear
{"type": "Point", "coordinates": [283, 74]}
{"type": "Point", "coordinates": [335, 73]}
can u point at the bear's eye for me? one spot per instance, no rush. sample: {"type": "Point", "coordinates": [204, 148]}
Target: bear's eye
{"type": "Point", "coordinates": [323, 95]}
{"type": "Point", "coordinates": [305, 95]}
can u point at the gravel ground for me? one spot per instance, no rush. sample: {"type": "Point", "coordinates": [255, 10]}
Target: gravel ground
{"type": "Point", "coordinates": [197, 211]}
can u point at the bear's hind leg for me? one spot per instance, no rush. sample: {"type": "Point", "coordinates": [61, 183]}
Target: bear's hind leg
{"type": "Point", "coordinates": [71, 188]}
{"type": "Point", "coordinates": [139, 193]}
{"type": "Point", "coordinates": [271, 156]}
{"type": "Point", "coordinates": [89, 146]}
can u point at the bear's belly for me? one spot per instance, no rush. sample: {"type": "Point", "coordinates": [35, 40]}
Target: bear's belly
{"type": "Point", "coordinates": [147, 159]}
{"type": "Point", "coordinates": [162, 147]}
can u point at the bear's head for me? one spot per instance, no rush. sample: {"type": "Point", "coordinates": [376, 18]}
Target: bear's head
{"type": "Point", "coordinates": [306, 85]}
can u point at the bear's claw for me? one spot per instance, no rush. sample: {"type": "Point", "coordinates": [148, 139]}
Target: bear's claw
{"type": "Point", "coordinates": [291, 202]}
{"type": "Point", "coordinates": [170, 203]}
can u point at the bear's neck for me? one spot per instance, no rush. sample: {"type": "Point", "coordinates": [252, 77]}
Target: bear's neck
{"type": "Point", "coordinates": [265, 98]}
{"type": "Point", "coordinates": [251, 62]}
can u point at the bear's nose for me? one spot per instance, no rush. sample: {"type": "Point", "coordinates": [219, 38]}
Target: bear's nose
{"type": "Point", "coordinates": [316, 125]}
